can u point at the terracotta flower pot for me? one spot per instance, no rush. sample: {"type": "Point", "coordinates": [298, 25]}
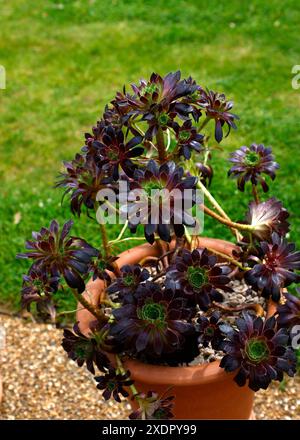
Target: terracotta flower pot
{"type": "Point", "coordinates": [203, 391]}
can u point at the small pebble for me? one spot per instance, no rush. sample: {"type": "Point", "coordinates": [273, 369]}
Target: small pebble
{"type": "Point", "coordinates": [40, 382]}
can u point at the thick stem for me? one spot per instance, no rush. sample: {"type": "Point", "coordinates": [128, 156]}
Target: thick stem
{"type": "Point", "coordinates": [216, 205]}
{"type": "Point", "coordinates": [226, 257]}
{"type": "Point", "coordinates": [204, 123]}
{"type": "Point", "coordinates": [255, 194]}
{"type": "Point", "coordinates": [148, 260]}
{"type": "Point", "coordinates": [224, 221]}
{"type": "Point", "coordinates": [188, 236]}
{"type": "Point", "coordinates": [103, 237]}
{"type": "Point", "coordinates": [122, 371]}
{"type": "Point", "coordinates": [87, 305]}
{"type": "Point", "coordinates": [180, 242]}
{"type": "Point", "coordinates": [106, 245]}
{"type": "Point", "coordinates": [104, 240]}
{"type": "Point", "coordinates": [162, 154]}
{"type": "Point", "coordinates": [212, 199]}
{"type": "Point", "coordinates": [254, 306]}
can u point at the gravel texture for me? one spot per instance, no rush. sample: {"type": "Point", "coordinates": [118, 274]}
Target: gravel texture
{"type": "Point", "coordinates": [41, 383]}
{"type": "Point", "coordinates": [241, 294]}
{"type": "Point", "coordinates": [279, 401]}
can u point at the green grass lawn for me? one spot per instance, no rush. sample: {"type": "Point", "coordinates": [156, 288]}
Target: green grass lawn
{"type": "Point", "coordinates": [65, 59]}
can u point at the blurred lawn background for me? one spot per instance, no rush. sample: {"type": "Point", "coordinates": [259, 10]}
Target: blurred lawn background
{"type": "Point", "coordinates": [65, 59]}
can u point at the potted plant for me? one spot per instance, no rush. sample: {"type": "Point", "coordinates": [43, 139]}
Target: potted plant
{"type": "Point", "coordinates": [162, 321]}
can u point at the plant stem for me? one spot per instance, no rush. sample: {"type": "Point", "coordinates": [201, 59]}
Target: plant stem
{"type": "Point", "coordinates": [120, 235]}
{"type": "Point", "coordinates": [254, 306]}
{"type": "Point", "coordinates": [159, 275]}
{"type": "Point", "coordinates": [67, 312]}
{"type": "Point", "coordinates": [229, 223]}
{"type": "Point", "coordinates": [230, 259]}
{"type": "Point", "coordinates": [111, 304]}
{"type": "Point", "coordinates": [103, 236]}
{"type": "Point", "coordinates": [148, 260]}
{"type": "Point", "coordinates": [122, 371]}
{"type": "Point", "coordinates": [216, 205]}
{"type": "Point", "coordinates": [187, 235]}
{"type": "Point", "coordinates": [206, 154]}
{"type": "Point", "coordinates": [112, 207]}
{"type": "Point", "coordinates": [255, 194]}
{"type": "Point", "coordinates": [212, 199]}
{"type": "Point", "coordinates": [87, 305]}
{"type": "Point", "coordinates": [125, 239]}
{"type": "Point", "coordinates": [162, 154]}
{"type": "Point", "coordinates": [204, 123]}
{"type": "Point", "coordinates": [137, 128]}
{"type": "Point", "coordinates": [169, 140]}
{"type": "Point", "coordinates": [104, 240]}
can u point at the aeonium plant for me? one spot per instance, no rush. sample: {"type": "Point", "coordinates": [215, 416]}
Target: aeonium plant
{"type": "Point", "coordinates": [168, 309]}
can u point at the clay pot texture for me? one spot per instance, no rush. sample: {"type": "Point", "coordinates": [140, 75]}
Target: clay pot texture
{"type": "Point", "coordinates": [201, 392]}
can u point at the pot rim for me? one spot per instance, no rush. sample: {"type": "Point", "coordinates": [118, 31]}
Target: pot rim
{"type": "Point", "coordinates": [179, 375]}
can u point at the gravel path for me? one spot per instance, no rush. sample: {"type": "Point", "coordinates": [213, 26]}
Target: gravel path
{"type": "Point", "coordinates": [41, 383]}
